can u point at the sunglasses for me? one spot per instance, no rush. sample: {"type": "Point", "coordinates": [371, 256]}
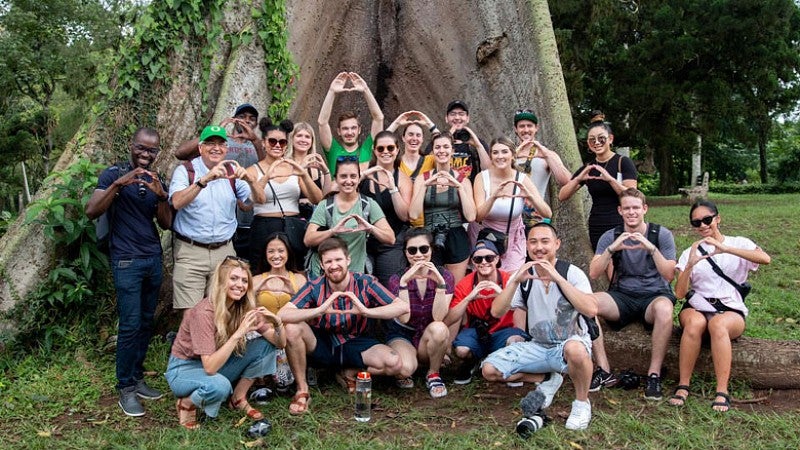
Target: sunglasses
{"type": "Point", "coordinates": [151, 150]}
{"type": "Point", "coordinates": [523, 111]}
{"type": "Point", "coordinates": [347, 158]}
{"type": "Point", "coordinates": [705, 220]}
{"type": "Point", "coordinates": [237, 259]}
{"type": "Point", "coordinates": [423, 250]}
{"type": "Point", "coordinates": [600, 139]}
{"type": "Point", "coordinates": [279, 142]}
{"type": "Point", "coordinates": [480, 259]}
{"type": "Point", "coordinates": [388, 148]}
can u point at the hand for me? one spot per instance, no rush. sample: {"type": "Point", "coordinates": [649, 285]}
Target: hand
{"type": "Point", "coordinates": [330, 303]}
{"type": "Point", "coordinates": [445, 179]}
{"type": "Point", "coordinates": [411, 272]}
{"type": "Point", "coordinates": [484, 285]}
{"type": "Point", "coordinates": [357, 307]}
{"type": "Point", "coordinates": [719, 247]}
{"type": "Point", "coordinates": [631, 241]}
{"type": "Point", "coordinates": [373, 174]}
{"type": "Point", "coordinates": [250, 322]}
{"type": "Point", "coordinates": [524, 149]}
{"type": "Point", "coordinates": [242, 130]}
{"type": "Point", "coordinates": [268, 317]}
{"type": "Point", "coordinates": [359, 84]}
{"type": "Point", "coordinates": [315, 161]}
{"type": "Point", "coordinates": [151, 181]}
{"type": "Point", "coordinates": [297, 169]}
{"type": "Point", "coordinates": [285, 286]}
{"type": "Point", "coordinates": [541, 150]}
{"type": "Point", "coordinates": [339, 82]}
{"type": "Point", "coordinates": [694, 255]}
{"type": "Point", "coordinates": [361, 225]}
{"type": "Point", "coordinates": [433, 273]}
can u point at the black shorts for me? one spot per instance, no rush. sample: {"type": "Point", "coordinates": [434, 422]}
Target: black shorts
{"type": "Point", "coordinates": [344, 355]}
{"type": "Point", "coordinates": [456, 247]}
{"type": "Point", "coordinates": [633, 306]}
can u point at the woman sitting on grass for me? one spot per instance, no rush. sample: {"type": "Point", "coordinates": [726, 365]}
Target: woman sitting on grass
{"type": "Point", "coordinates": [421, 335]}
{"type": "Point", "coordinates": [713, 304]}
{"type": "Point", "coordinates": [224, 339]}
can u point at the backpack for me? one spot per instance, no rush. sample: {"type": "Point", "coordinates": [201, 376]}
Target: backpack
{"type": "Point", "coordinates": [562, 267]}
{"type": "Point", "coordinates": [653, 231]}
{"type": "Point", "coordinates": [102, 224]}
{"type": "Point", "coordinates": [329, 205]}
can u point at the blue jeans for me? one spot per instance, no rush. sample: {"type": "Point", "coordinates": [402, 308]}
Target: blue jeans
{"type": "Point", "coordinates": [187, 378]}
{"type": "Point", "coordinates": [468, 337]}
{"type": "Point", "coordinates": [138, 282]}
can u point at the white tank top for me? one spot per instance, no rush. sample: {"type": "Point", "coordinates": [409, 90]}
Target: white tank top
{"type": "Point", "coordinates": [288, 193]}
{"type": "Point", "coordinates": [502, 205]}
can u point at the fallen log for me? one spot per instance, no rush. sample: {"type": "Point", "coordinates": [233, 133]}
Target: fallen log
{"type": "Point", "coordinates": [764, 364]}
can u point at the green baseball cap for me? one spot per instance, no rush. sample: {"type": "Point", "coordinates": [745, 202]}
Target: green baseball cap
{"type": "Point", "coordinates": [211, 131]}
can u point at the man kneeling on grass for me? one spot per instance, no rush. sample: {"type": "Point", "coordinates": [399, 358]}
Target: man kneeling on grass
{"type": "Point", "coordinates": [327, 321]}
{"type": "Point", "coordinates": [551, 303]}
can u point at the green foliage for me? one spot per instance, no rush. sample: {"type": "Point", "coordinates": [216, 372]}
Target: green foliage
{"type": "Point", "coordinates": [785, 146]}
{"type": "Point", "coordinates": [753, 188]}
{"type": "Point", "coordinates": [70, 304]}
{"type": "Point", "coordinates": [272, 30]}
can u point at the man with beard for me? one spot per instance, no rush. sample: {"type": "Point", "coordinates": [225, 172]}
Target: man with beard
{"type": "Point", "coordinates": [348, 128]}
{"type": "Point", "coordinates": [328, 319]}
{"type": "Point", "coordinates": [551, 305]}
{"type": "Point", "coordinates": [133, 196]}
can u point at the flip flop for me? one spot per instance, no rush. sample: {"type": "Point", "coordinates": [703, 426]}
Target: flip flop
{"type": "Point", "coordinates": [300, 401]}
{"type": "Point", "coordinates": [679, 400]}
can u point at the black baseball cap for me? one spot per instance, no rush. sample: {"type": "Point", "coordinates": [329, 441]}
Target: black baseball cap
{"type": "Point", "coordinates": [457, 104]}
{"type": "Point", "coordinates": [245, 107]}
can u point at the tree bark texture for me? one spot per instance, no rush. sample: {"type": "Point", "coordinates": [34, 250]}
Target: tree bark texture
{"type": "Point", "coordinates": [763, 363]}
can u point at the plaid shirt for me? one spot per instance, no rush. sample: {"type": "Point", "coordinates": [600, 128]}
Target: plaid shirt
{"type": "Point", "coordinates": [343, 327]}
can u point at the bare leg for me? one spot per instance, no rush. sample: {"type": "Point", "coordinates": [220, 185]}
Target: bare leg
{"type": "Point", "coordinates": [694, 325]}
{"type": "Point", "coordinates": [659, 313]}
{"type": "Point", "coordinates": [579, 364]}
{"type": "Point", "coordinates": [300, 341]}
{"type": "Point", "coordinates": [722, 328]}
{"type": "Point", "coordinates": [433, 345]}
{"type": "Point", "coordinates": [490, 373]}
{"type": "Point", "coordinates": [381, 359]}
{"type": "Point", "coordinates": [408, 356]}
{"type": "Point", "coordinates": [607, 310]}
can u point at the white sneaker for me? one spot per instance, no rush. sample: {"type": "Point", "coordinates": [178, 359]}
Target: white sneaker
{"type": "Point", "coordinates": [580, 416]}
{"type": "Point", "coordinates": [550, 387]}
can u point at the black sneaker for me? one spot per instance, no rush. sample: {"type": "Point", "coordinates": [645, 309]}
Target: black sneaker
{"type": "Point", "coordinates": [652, 388]}
{"type": "Point", "coordinates": [129, 402]}
{"type": "Point", "coordinates": [601, 378]}
{"type": "Point", "coordinates": [464, 373]}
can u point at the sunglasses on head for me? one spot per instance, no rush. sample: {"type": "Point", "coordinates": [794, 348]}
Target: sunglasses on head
{"type": "Point", "coordinates": [237, 259]}
{"type": "Point", "coordinates": [705, 220]}
{"type": "Point", "coordinates": [523, 111]}
{"type": "Point", "coordinates": [388, 148]}
{"type": "Point", "coordinates": [347, 158]}
{"type": "Point", "coordinates": [279, 142]}
{"type": "Point", "coordinates": [423, 250]}
{"type": "Point", "coordinates": [600, 139]}
{"type": "Point", "coordinates": [480, 259]}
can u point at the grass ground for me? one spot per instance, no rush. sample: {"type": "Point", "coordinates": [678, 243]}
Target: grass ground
{"type": "Point", "coordinates": [67, 400]}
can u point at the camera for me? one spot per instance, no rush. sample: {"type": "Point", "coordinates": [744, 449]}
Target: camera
{"type": "Point", "coordinates": [529, 425]}
{"type": "Point", "coordinates": [259, 429]}
{"type": "Point", "coordinates": [461, 135]}
{"type": "Point", "coordinates": [439, 236]}
{"type": "Point", "coordinates": [142, 189]}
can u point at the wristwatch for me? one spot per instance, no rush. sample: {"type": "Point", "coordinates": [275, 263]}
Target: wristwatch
{"type": "Point", "coordinates": [200, 184]}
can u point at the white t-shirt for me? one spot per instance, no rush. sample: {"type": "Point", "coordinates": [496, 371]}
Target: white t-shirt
{"type": "Point", "coordinates": [707, 284]}
{"type": "Point", "coordinates": [551, 317]}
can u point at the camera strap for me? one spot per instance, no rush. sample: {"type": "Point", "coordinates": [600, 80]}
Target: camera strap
{"type": "Point", "coordinates": [719, 271]}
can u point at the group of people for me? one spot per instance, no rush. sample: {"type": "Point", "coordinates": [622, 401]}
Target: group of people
{"type": "Point", "coordinates": [386, 255]}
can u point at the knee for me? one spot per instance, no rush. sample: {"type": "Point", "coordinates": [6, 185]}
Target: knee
{"type": "Point", "coordinates": [393, 363]}
{"type": "Point", "coordinates": [463, 352]}
{"type": "Point", "coordinates": [718, 331]}
{"type": "Point", "coordinates": [575, 353]}
{"type": "Point", "coordinates": [490, 372]}
{"type": "Point", "coordinates": [513, 339]}
{"type": "Point", "coordinates": [293, 333]}
{"type": "Point", "coordinates": [662, 311]}
{"type": "Point", "coordinates": [438, 332]}
{"type": "Point", "coordinates": [693, 328]}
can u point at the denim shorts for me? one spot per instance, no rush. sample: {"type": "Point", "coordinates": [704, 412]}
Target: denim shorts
{"type": "Point", "coordinates": [468, 337]}
{"type": "Point", "coordinates": [531, 357]}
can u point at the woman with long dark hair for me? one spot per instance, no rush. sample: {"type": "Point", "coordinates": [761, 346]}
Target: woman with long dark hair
{"type": "Point", "coordinates": [224, 343]}
{"type": "Point", "coordinates": [606, 176]}
{"type": "Point", "coordinates": [711, 274]}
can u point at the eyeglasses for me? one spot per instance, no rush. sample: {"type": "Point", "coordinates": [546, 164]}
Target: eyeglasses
{"type": "Point", "coordinates": [210, 144]}
{"type": "Point", "coordinates": [480, 259]}
{"type": "Point", "coordinates": [705, 220]}
{"type": "Point", "coordinates": [237, 259]}
{"type": "Point", "coordinates": [388, 148]}
{"type": "Point", "coordinates": [523, 111]}
{"type": "Point", "coordinates": [151, 150]}
{"type": "Point", "coordinates": [279, 142]}
{"type": "Point", "coordinates": [600, 139]}
{"type": "Point", "coordinates": [423, 250]}
{"type": "Point", "coordinates": [347, 158]}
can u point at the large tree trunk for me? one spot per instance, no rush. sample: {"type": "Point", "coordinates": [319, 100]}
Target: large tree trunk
{"type": "Point", "coordinates": [497, 56]}
{"type": "Point", "coordinates": [763, 363]}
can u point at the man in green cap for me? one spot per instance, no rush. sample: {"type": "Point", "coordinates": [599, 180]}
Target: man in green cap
{"type": "Point", "coordinates": [204, 192]}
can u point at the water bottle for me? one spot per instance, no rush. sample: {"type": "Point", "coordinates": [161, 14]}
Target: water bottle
{"type": "Point", "coordinates": [363, 396]}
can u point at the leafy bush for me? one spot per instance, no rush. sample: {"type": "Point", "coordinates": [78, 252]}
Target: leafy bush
{"type": "Point", "coordinates": [71, 304]}
{"type": "Point", "coordinates": [754, 188]}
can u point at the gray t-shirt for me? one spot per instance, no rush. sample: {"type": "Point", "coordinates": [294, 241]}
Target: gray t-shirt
{"type": "Point", "coordinates": [551, 317]}
{"type": "Point", "coordinates": [637, 273]}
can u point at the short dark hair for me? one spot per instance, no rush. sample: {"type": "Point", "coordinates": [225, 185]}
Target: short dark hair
{"type": "Point", "coordinates": [599, 124]}
{"type": "Point", "coordinates": [333, 243]}
{"type": "Point", "coordinates": [545, 224]}
{"type": "Point", "coordinates": [705, 203]}
{"type": "Point", "coordinates": [145, 131]}
{"type": "Point", "coordinates": [416, 232]}
{"type": "Point", "coordinates": [266, 125]}
{"type": "Point", "coordinates": [345, 116]}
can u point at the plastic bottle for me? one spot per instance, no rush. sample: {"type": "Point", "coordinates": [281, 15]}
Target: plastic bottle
{"type": "Point", "coordinates": [363, 396]}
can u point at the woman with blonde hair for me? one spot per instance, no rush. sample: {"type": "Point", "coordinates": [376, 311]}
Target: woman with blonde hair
{"type": "Point", "coordinates": [302, 148]}
{"type": "Point", "coordinates": [223, 344]}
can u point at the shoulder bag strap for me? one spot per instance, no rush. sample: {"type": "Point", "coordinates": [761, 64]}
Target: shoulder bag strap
{"type": "Point", "coordinates": [511, 209]}
{"type": "Point", "coordinates": [275, 199]}
{"type": "Point", "coordinates": [717, 269]}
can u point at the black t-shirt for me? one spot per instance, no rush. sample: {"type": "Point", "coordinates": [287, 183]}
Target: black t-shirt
{"type": "Point", "coordinates": [465, 159]}
{"type": "Point", "coordinates": [604, 214]}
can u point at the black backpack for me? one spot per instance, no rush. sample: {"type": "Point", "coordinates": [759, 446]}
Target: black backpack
{"type": "Point", "coordinates": [562, 267]}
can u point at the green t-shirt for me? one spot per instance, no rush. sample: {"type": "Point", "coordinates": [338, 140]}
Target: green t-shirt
{"type": "Point", "coordinates": [356, 242]}
{"type": "Point", "coordinates": [364, 153]}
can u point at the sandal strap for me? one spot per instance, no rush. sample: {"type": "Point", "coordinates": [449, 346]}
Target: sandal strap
{"type": "Point", "coordinates": [434, 380]}
{"type": "Point", "coordinates": [684, 387]}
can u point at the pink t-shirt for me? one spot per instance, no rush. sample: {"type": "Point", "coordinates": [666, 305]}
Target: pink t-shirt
{"type": "Point", "coordinates": [707, 284]}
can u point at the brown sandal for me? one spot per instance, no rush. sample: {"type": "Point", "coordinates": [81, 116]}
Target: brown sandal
{"type": "Point", "coordinates": [300, 401]}
{"type": "Point", "coordinates": [187, 416]}
{"type": "Point", "coordinates": [345, 382]}
{"type": "Point", "coordinates": [242, 405]}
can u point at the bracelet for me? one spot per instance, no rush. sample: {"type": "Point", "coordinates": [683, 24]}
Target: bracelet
{"type": "Point", "coordinates": [163, 199]}
{"type": "Point", "coordinates": [608, 249]}
{"type": "Point", "coordinates": [433, 127]}
{"type": "Point", "coordinates": [441, 286]}
{"type": "Point", "coordinates": [394, 191]}
{"type": "Point", "coordinates": [200, 184]}
{"type": "Point", "coordinates": [403, 288]}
